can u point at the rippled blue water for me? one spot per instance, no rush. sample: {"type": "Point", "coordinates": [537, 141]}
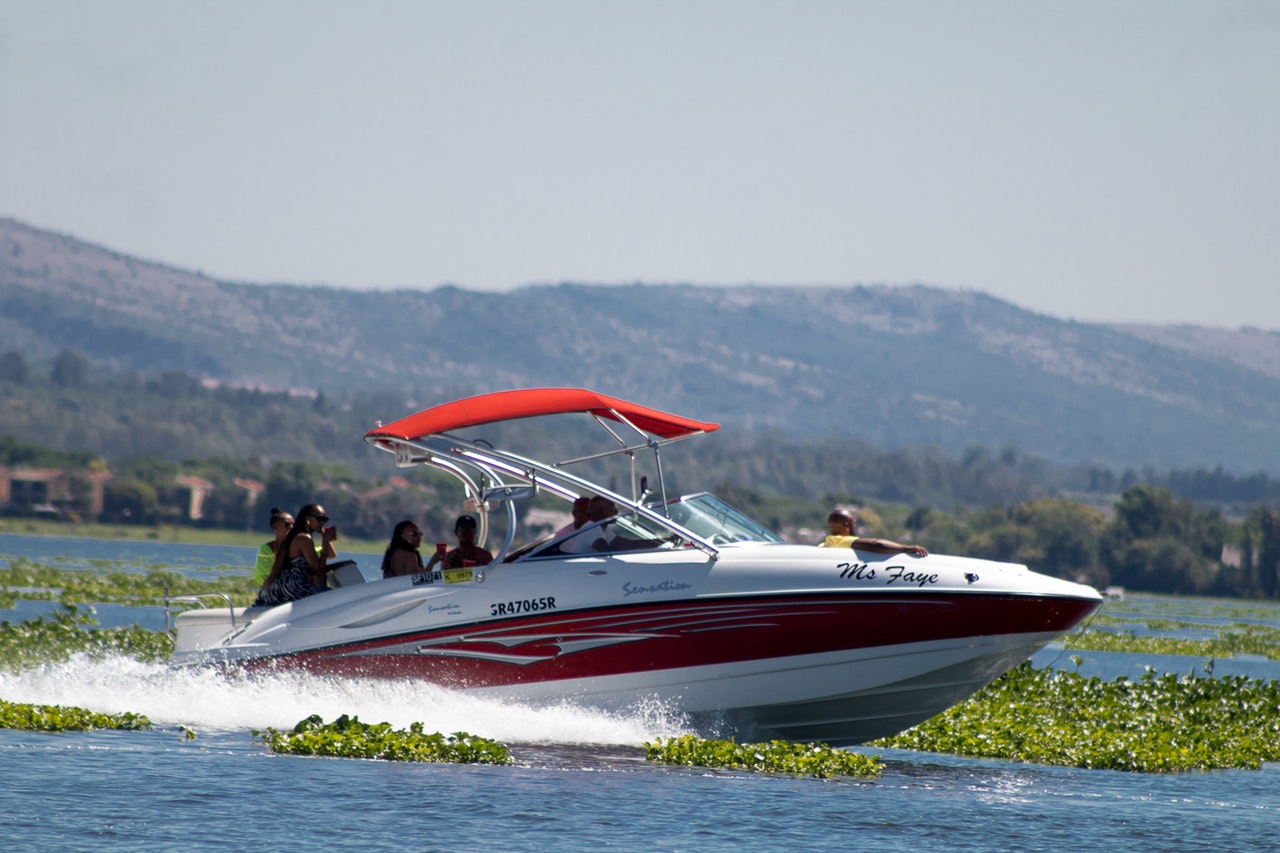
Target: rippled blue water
{"type": "Point", "coordinates": [197, 561]}
{"type": "Point", "coordinates": [153, 791]}
{"type": "Point", "coordinates": [582, 784]}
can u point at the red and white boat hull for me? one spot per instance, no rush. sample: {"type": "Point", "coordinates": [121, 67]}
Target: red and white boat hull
{"type": "Point", "coordinates": [842, 666]}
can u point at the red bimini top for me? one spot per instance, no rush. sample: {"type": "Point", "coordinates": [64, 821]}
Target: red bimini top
{"type": "Point", "coordinates": [533, 402]}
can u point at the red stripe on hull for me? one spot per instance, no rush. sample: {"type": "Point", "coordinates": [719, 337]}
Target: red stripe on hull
{"type": "Point", "coordinates": [555, 646]}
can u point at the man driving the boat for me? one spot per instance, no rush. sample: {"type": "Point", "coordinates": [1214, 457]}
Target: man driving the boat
{"type": "Point", "coordinates": [599, 535]}
{"type": "Point", "coordinates": [842, 526]}
{"type": "Point", "coordinates": [592, 539]}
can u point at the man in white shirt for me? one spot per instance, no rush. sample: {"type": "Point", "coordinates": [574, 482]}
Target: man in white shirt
{"type": "Point", "coordinates": [592, 540]}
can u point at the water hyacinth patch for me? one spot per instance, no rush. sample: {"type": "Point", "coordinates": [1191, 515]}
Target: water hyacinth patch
{"type": "Point", "coordinates": [347, 737]}
{"type": "Point", "coordinates": [66, 633]}
{"type": "Point", "coordinates": [1157, 724]}
{"type": "Point", "coordinates": [777, 756]}
{"type": "Point", "coordinates": [1261, 640]}
{"type": "Point", "coordinates": [41, 582]}
{"type": "Point", "coordinates": [65, 718]}
{"type": "Point", "coordinates": [1170, 625]}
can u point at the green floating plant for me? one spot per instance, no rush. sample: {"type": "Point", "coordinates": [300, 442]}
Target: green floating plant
{"type": "Point", "coordinates": [1157, 724]}
{"type": "Point", "coordinates": [65, 633]}
{"type": "Point", "coordinates": [1259, 640]}
{"type": "Point", "coordinates": [60, 718]}
{"type": "Point", "coordinates": [347, 737]}
{"type": "Point", "coordinates": [101, 585]}
{"type": "Point", "coordinates": [777, 756]}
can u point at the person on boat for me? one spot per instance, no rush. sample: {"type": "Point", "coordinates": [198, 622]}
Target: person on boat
{"type": "Point", "coordinates": [604, 537]}
{"type": "Point", "coordinates": [842, 525]}
{"type": "Point", "coordinates": [280, 523]}
{"type": "Point", "coordinates": [579, 511]}
{"type": "Point", "coordinates": [599, 508]}
{"type": "Point", "coordinates": [402, 556]}
{"type": "Point", "coordinates": [299, 568]}
{"type": "Point", "coordinates": [467, 551]}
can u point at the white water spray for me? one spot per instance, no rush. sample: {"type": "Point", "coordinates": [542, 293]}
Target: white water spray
{"type": "Point", "coordinates": [205, 699]}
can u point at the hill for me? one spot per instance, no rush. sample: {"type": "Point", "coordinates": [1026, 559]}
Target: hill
{"type": "Point", "coordinates": [891, 366]}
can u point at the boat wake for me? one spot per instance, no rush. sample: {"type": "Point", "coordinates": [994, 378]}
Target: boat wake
{"type": "Point", "coordinates": [208, 700]}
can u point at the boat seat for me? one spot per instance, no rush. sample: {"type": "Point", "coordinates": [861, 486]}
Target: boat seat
{"type": "Point", "coordinates": [342, 574]}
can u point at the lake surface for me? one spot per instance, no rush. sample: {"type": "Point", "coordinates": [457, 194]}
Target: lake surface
{"type": "Point", "coordinates": [582, 784]}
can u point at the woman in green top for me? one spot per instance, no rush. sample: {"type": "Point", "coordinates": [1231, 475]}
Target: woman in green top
{"type": "Point", "coordinates": [280, 523]}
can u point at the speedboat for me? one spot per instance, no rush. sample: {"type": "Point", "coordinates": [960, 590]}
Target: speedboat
{"type": "Point", "coordinates": [678, 599]}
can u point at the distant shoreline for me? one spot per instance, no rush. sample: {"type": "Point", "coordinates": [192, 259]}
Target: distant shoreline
{"type": "Point", "coordinates": [158, 533]}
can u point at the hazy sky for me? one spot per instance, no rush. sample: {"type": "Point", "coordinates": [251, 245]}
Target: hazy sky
{"type": "Point", "coordinates": [1103, 161]}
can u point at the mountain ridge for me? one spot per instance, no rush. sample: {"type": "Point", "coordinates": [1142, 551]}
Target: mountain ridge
{"type": "Point", "coordinates": [891, 365]}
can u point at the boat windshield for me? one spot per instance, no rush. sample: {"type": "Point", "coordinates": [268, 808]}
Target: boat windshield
{"type": "Point", "coordinates": [627, 532]}
{"type": "Point", "coordinates": [704, 515]}
{"type": "Point", "coordinates": [716, 521]}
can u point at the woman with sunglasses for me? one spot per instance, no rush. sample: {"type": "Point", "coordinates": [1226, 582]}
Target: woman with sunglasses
{"type": "Point", "coordinates": [402, 556]}
{"type": "Point", "coordinates": [299, 568]}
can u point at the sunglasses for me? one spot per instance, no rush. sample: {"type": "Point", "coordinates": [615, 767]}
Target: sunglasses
{"type": "Point", "coordinates": [321, 518]}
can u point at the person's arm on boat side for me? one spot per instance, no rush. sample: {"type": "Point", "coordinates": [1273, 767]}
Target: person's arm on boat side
{"type": "Point", "coordinates": [842, 527]}
{"type": "Point", "coordinates": [887, 546]}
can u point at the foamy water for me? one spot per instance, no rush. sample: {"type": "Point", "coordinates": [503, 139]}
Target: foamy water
{"type": "Point", "coordinates": [205, 699]}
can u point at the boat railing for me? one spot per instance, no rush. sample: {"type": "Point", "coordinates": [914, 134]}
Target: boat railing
{"type": "Point", "coordinates": [197, 598]}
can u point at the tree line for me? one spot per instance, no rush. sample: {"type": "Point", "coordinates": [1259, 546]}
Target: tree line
{"type": "Point", "coordinates": [1140, 529]}
{"type": "Point", "coordinates": [1149, 540]}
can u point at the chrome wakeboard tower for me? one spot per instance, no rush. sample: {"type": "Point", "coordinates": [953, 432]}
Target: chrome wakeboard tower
{"type": "Point", "coordinates": [494, 479]}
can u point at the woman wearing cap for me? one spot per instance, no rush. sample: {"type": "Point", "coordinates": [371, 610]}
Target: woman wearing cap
{"type": "Point", "coordinates": [465, 529]}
